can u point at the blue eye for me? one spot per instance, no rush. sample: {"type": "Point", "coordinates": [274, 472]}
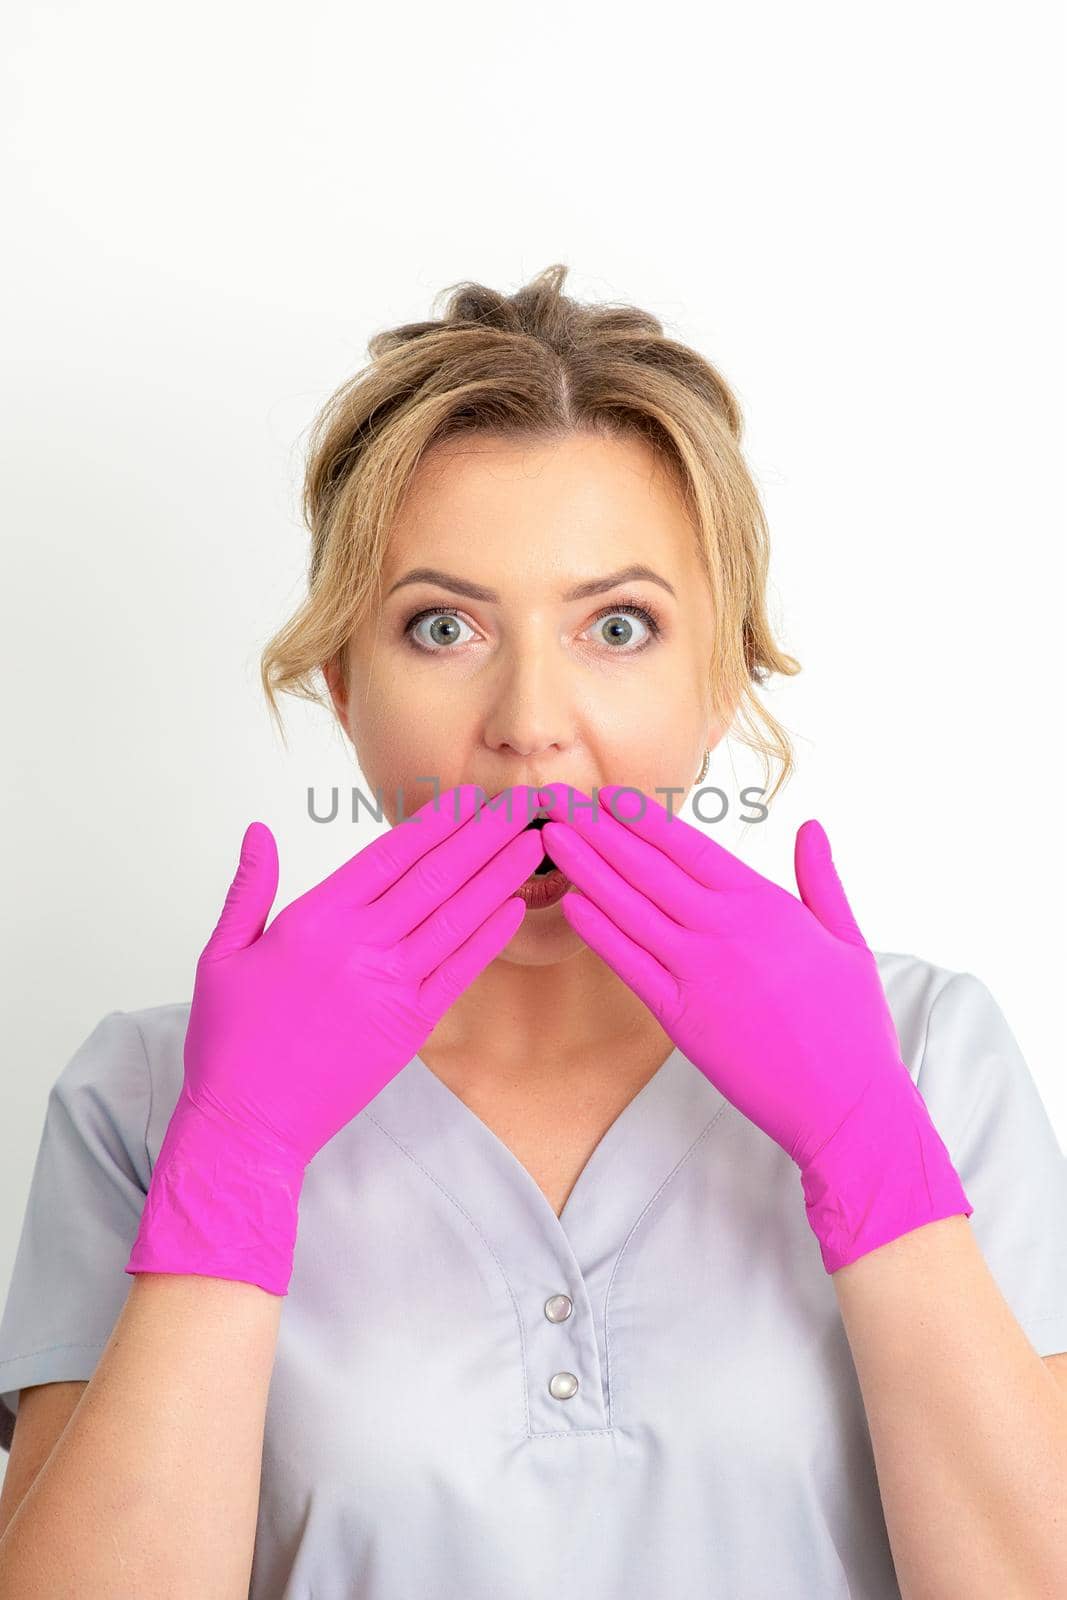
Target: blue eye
{"type": "Point", "coordinates": [443, 637]}
{"type": "Point", "coordinates": [445, 625]}
{"type": "Point", "coordinates": [623, 634]}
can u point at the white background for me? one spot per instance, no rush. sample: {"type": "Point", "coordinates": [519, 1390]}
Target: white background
{"type": "Point", "coordinates": [855, 212]}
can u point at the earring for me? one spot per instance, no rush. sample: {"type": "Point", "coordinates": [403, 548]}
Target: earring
{"type": "Point", "coordinates": [704, 768]}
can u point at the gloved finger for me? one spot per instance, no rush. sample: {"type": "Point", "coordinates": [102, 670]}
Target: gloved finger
{"type": "Point", "coordinates": [648, 979]}
{"type": "Point", "coordinates": [455, 974]}
{"type": "Point", "coordinates": [666, 884]}
{"type": "Point", "coordinates": [441, 933]}
{"type": "Point", "coordinates": [628, 907]}
{"type": "Point", "coordinates": [439, 874]}
{"type": "Point", "coordinates": [707, 861]}
{"type": "Point", "coordinates": [820, 887]}
{"type": "Point", "coordinates": [249, 897]}
{"type": "Point", "coordinates": [383, 864]}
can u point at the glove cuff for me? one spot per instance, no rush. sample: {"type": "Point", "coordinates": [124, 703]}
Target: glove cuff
{"type": "Point", "coordinates": [220, 1205]}
{"type": "Point", "coordinates": [884, 1172]}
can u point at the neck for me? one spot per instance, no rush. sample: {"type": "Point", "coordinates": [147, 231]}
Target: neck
{"type": "Point", "coordinates": [544, 1020]}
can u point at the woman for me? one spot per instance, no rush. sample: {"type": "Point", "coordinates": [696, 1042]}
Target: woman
{"type": "Point", "coordinates": [655, 1237]}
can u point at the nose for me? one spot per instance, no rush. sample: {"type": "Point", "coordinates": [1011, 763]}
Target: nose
{"type": "Point", "coordinates": [531, 712]}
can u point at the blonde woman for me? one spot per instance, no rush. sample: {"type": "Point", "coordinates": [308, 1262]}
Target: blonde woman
{"type": "Point", "coordinates": [656, 1237]}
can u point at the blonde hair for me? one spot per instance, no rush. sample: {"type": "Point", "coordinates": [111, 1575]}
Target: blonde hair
{"type": "Point", "coordinates": [534, 364]}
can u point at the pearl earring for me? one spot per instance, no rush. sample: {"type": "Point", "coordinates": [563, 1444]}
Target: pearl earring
{"type": "Point", "coordinates": [704, 768]}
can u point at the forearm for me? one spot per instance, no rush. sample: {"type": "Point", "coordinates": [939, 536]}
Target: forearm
{"type": "Point", "coordinates": [153, 1486]}
{"type": "Point", "coordinates": [968, 1427]}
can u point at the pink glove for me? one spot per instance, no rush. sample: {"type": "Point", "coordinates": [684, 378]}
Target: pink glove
{"type": "Point", "coordinates": [294, 1030]}
{"type": "Point", "coordinates": [777, 1001]}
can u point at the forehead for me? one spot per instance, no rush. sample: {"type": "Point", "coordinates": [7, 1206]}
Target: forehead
{"type": "Point", "coordinates": [580, 505]}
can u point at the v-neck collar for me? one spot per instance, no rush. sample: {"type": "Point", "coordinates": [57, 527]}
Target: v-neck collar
{"type": "Point", "coordinates": [463, 1167]}
{"type": "Point", "coordinates": [633, 1159]}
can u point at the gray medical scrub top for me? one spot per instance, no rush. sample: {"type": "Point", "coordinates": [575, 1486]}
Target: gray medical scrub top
{"type": "Point", "coordinates": [651, 1395]}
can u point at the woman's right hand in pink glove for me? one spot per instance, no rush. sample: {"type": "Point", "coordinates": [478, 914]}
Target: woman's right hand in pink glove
{"type": "Point", "coordinates": [294, 1030]}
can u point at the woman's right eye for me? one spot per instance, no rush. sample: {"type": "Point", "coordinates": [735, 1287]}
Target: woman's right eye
{"type": "Point", "coordinates": [440, 635]}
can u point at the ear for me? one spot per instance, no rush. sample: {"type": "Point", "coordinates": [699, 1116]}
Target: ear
{"type": "Point", "coordinates": [721, 716]}
{"type": "Point", "coordinates": [337, 683]}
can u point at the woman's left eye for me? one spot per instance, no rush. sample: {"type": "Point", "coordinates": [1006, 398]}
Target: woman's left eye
{"type": "Point", "coordinates": [618, 635]}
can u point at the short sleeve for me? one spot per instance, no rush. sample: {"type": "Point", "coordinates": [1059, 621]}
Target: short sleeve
{"type": "Point", "coordinates": [987, 1108]}
{"type": "Point", "coordinates": [87, 1191]}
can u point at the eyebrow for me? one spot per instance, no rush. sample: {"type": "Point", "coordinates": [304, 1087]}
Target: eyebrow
{"type": "Point", "coordinates": [580, 591]}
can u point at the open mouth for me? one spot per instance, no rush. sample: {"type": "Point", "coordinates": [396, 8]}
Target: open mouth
{"type": "Point", "coordinates": [546, 865]}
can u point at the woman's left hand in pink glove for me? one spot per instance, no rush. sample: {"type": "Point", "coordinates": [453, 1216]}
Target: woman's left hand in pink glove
{"type": "Point", "coordinates": [777, 1000]}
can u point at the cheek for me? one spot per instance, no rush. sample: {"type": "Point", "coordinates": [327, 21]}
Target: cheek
{"type": "Point", "coordinates": [393, 717]}
{"type": "Point", "coordinates": [402, 744]}
{"type": "Point", "coordinates": [639, 728]}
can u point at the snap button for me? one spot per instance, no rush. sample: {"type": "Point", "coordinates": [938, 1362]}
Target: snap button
{"type": "Point", "coordinates": [558, 1307]}
{"type": "Point", "coordinates": [562, 1385]}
